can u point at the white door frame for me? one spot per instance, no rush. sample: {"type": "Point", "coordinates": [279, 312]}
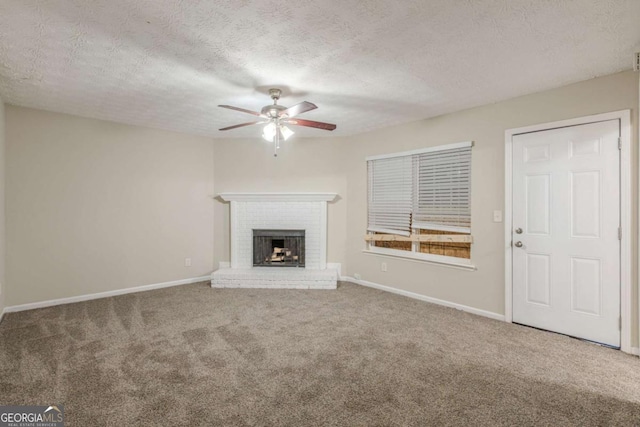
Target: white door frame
{"type": "Point", "coordinates": [626, 265]}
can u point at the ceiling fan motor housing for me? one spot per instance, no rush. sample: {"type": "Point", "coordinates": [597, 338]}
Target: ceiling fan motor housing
{"type": "Point", "coordinates": [272, 111]}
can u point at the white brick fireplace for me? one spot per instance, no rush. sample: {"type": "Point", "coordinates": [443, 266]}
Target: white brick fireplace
{"type": "Point", "coordinates": [283, 211]}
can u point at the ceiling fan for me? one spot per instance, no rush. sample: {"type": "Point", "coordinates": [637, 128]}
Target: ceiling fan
{"type": "Point", "coordinates": [276, 117]}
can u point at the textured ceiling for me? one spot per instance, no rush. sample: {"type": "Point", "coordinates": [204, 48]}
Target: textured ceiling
{"type": "Point", "coordinates": [366, 63]}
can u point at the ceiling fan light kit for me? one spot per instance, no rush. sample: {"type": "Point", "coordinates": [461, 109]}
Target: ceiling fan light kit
{"type": "Point", "coordinates": [276, 117]}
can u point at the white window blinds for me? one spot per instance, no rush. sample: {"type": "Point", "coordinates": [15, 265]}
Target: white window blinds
{"type": "Point", "coordinates": [443, 190]}
{"type": "Point", "coordinates": [390, 195]}
{"type": "Point", "coordinates": [425, 189]}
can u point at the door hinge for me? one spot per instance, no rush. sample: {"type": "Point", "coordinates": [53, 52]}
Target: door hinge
{"type": "Point", "coordinates": [636, 62]}
{"type": "Point", "coordinates": [619, 143]}
{"type": "Point", "coordinates": [619, 233]}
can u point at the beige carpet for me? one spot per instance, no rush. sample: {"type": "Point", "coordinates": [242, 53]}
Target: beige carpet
{"type": "Point", "coordinates": [192, 355]}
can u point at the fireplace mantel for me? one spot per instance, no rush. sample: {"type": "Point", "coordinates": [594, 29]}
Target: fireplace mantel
{"type": "Point", "coordinates": [278, 197]}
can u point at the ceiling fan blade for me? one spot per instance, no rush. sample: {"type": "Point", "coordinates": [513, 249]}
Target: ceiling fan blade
{"type": "Point", "coordinates": [311, 124]}
{"type": "Point", "coordinates": [300, 108]}
{"type": "Point", "coordinates": [255, 113]}
{"type": "Point", "coordinates": [242, 125]}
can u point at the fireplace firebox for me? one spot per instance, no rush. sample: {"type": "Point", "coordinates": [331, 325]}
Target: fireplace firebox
{"type": "Point", "coordinates": [278, 248]}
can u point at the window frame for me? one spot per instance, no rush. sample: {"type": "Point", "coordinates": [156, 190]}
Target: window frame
{"type": "Point", "coordinates": [414, 254]}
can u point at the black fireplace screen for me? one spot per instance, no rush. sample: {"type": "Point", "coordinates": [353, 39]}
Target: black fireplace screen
{"type": "Point", "coordinates": [278, 248]}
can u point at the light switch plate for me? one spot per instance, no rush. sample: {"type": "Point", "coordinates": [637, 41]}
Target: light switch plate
{"type": "Point", "coordinates": [497, 216]}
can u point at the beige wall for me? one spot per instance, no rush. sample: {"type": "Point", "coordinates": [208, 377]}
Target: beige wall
{"type": "Point", "coordinates": [311, 164]}
{"type": "Point", "coordinates": [486, 125]}
{"type": "Point", "coordinates": [95, 206]}
{"type": "Point", "coordinates": [3, 288]}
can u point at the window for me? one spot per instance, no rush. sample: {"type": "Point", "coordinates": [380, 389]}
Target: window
{"type": "Point", "coordinates": [419, 203]}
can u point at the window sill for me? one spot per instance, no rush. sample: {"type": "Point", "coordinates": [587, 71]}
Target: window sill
{"type": "Point", "coordinates": [420, 257]}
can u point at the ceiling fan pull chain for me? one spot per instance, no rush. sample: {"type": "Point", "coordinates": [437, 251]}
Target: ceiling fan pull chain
{"type": "Point", "coordinates": [275, 145]}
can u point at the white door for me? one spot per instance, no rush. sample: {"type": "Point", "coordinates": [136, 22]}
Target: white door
{"type": "Point", "coordinates": [566, 219]}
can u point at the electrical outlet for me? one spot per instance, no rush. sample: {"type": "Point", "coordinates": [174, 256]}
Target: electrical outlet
{"type": "Point", "coordinates": [187, 262]}
{"type": "Point", "coordinates": [383, 266]}
{"type": "Point", "coordinates": [357, 276]}
{"type": "Point", "coordinates": [497, 216]}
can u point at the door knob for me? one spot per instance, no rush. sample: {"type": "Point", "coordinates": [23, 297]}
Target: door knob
{"type": "Point", "coordinates": [519, 230]}
{"type": "Point", "coordinates": [518, 244]}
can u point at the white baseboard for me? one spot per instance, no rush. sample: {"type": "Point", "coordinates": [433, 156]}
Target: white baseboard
{"type": "Point", "coordinates": [420, 297]}
{"type": "Point", "coordinates": [87, 297]}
